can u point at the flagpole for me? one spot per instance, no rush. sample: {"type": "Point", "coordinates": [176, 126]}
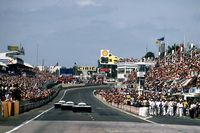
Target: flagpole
{"type": "Point", "coordinates": [37, 54]}
{"type": "Point", "coordinates": [147, 47]}
{"type": "Point", "coordinates": [184, 41]}
{"type": "Point", "coordinates": [42, 64]}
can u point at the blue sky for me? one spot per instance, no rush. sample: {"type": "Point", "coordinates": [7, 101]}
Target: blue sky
{"type": "Point", "coordinates": [68, 31]}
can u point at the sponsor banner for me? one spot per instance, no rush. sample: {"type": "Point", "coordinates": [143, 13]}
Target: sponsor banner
{"type": "Point", "coordinates": [104, 70]}
{"type": "Point", "coordinates": [87, 68]}
{"type": "Point", "coordinates": [7, 61]}
{"type": "Point", "coordinates": [16, 48]}
{"type": "Point", "coordinates": [13, 48]}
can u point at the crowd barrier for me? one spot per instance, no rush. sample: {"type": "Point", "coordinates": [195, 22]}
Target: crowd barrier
{"type": "Point", "coordinates": [141, 111]}
{"type": "Point", "coordinates": [72, 85]}
{"type": "Point", "coordinates": [0, 109]}
{"type": "Point", "coordinates": [144, 111]}
{"type": "Point", "coordinates": [78, 85]}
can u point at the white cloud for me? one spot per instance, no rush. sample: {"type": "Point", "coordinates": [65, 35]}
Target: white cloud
{"type": "Point", "coordinates": [84, 3]}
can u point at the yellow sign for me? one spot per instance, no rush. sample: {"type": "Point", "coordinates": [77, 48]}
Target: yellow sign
{"type": "Point", "coordinates": [87, 68]}
{"type": "Point", "coordinates": [104, 53]}
{"type": "Point", "coordinates": [13, 48]}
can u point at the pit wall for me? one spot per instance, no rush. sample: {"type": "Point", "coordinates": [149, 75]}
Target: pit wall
{"type": "Point", "coordinates": [140, 111]}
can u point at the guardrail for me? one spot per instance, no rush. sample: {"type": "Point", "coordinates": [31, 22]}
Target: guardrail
{"type": "Point", "coordinates": [33, 105]}
{"type": "Point", "coordinates": [78, 85]}
{"type": "Point", "coordinates": [72, 85]}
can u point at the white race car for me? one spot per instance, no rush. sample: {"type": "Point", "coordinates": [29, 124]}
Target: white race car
{"type": "Point", "coordinates": [82, 107]}
{"type": "Point", "coordinates": [58, 104]}
{"type": "Point", "coordinates": [67, 106]}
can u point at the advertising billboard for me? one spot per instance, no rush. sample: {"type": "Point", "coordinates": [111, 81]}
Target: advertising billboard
{"type": "Point", "coordinates": [87, 68]}
{"type": "Point", "coordinates": [13, 48]}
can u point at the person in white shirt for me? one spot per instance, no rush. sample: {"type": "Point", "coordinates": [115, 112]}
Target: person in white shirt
{"type": "Point", "coordinates": [158, 103]}
{"type": "Point", "coordinates": [152, 107]}
{"type": "Point", "coordinates": [180, 108]}
{"type": "Point", "coordinates": [170, 108]}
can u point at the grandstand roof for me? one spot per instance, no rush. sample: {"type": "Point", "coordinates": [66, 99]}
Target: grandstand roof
{"type": "Point", "coordinates": [3, 64]}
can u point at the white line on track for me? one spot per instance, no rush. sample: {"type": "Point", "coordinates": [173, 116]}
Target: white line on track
{"type": "Point", "coordinates": [23, 124]}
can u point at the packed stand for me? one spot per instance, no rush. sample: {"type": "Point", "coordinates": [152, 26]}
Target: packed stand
{"type": "Point", "coordinates": [156, 103]}
{"type": "Point", "coordinates": [26, 88]}
{"type": "Point", "coordinates": [171, 77]}
{"type": "Point", "coordinates": [165, 84]}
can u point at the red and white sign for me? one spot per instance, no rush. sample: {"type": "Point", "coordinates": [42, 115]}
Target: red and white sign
{"type": "Point", "coordinates": [10, 61]}
{"type": "Point", "coordinates": [104, 69]}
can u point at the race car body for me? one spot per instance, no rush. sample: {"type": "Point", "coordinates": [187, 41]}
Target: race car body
{"type": "Point", "coordinates": [82, 107]}
{"type": "Point", "coordinates": [67, 106]}
{"type": "Point", "coordinates": [58, 104]}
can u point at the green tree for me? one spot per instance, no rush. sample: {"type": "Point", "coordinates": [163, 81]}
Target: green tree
{"type": "Point", "coordinates": [149, 55]}
{"type": "Point", "coordinates": [174, 47]}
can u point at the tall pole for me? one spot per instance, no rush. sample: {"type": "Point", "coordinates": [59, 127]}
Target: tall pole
{"type": "Point", "coordinates": [147, 47]}
{"type": "Point", "coordinates": [37, 55]}
{"type": "Point", "coordinates": [42, 64]}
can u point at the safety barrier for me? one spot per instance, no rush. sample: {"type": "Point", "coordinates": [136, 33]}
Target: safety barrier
{"type": "Point", "coordinates": [33, 105]}
{"type": "Point", "coordinates": [9, 108]}
{"type": "Point", "coordinates": [144, 111]}
{"type": "Point", "coordinates": [72, 85]}
{"type": "Point", "coordinates": [5, 109]}
{"type": "Point", "coordinates": [0, 109]}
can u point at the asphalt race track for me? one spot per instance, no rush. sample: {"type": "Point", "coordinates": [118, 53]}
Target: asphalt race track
{"type": "Point", "coordinates": [100, 112]}
{"type": "Point", "coordinates": [103, 119]}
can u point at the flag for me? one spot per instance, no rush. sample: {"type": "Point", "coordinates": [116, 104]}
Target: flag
{"type": "Point", "coordinates": [180, 49]}
{"type": "Point", "coordinates": [56, 64]}
{"type": "Point", "coordinates": [161, 39]}
{"type": "Point", "coordinates": [22, 51]}
{"type": "Point", "coordinates": [158, 41]}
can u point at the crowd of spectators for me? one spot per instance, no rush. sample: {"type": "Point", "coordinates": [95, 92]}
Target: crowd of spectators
{"type": "Point", "coordinates": [156, 103]}
{"type": "Point", "coordinates": [174, 75]}
{"type": "Point", "coordinates": [23, 87]}
{"type": "Point", "coordinates": [165, 83]}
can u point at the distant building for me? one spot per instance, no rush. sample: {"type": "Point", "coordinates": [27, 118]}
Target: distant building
{"type": "Point", "coordinates": [53, 69]}
{"type": "Point", "coordinates": [43, 68]}
{"type": "Point", "coordinates": [124, 69]}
